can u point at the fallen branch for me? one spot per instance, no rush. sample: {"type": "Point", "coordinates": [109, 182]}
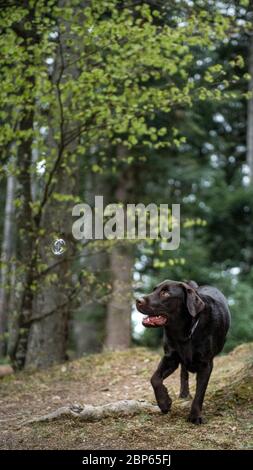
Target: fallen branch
{"type": "Point", "coordinates": [92, 413]}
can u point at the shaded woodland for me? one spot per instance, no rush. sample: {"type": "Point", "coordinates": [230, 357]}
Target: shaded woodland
{"type": "Point", "coordinates": [138, 102]}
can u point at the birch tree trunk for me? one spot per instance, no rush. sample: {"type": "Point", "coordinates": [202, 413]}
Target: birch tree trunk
{"type": "Point", "coordinates": [6, 254]}
{"type": "Point", "coordinates": [250, 114]}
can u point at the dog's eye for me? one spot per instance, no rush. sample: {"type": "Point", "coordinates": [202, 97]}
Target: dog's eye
{"type": "Point", "coordinates": [164, 293]}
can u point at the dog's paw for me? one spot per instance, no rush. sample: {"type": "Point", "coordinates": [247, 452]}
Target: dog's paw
{"type": "Point", "coordinates": [165, 407]}
{"type": "Point", "coordinates": [165, 402]}
{"type": "Point", "coordinates": [195, 419]}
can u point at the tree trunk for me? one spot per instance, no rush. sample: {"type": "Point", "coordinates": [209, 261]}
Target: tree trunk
{"type": "Point", "coordinates": [26, 233]}
{"type": "Point", "coordinates": [49, 328]}
{"type": "Point", "coordinates": [250, 114]}
{"type": "Point", "coordinates": [88, 325]}
{"type": "Point", "coordinates": [48, 333]}
{"type": "Point", "coordinates": [7, 252]}
{"type": "Point", "coordinates": [118, 325]}
{"type": "Point", "coordinates": [119, 309]}
{"type": "Point", "coordinates": [23, 297]}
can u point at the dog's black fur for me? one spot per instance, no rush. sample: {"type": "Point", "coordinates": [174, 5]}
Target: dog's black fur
{"type": "Point", "coordinates": [195, 321]}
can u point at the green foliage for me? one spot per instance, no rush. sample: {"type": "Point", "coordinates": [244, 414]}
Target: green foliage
{"type": "Point", "coordinates": [116, 69]}
{"type": "Point", "coordinates": [242, 315]}
{"type": "Point", "coordinates": [206, 174]}
{"type": "Point", "coordinates": [71, 80]}
{"type": "Point", "coordinates": [76, 82]}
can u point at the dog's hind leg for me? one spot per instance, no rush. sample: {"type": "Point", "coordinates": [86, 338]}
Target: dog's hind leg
{"type": "Point", "coordinates": [203, 376]}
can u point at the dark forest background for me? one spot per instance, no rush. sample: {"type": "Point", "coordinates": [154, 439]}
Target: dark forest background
{"type": "Point", "coordinates": [138, 102]}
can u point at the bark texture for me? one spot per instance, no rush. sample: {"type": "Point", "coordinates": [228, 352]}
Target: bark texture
{"type": "Point", "coordinates": [119, 309]}
{"type": "Point", "coordinates": [93, 413]}
{"type": "Point", "coordinates": [88, 324]}
{"type": "Point", "coordinates": [118, 325]}
{"type": "Point", "coordinates": [6, 254]}
{"type": "Point", "coordinates": [49, 326]}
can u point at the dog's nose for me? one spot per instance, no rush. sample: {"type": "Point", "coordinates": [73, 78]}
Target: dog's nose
{"type": "Point", "coordinates": [140, 302]}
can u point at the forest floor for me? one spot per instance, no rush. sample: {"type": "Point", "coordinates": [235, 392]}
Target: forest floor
{"type": "Point", "coordinates": [104, 378]}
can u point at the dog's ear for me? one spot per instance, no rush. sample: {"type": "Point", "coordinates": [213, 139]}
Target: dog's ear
{"type": "Point", "coordinates": [192, 284]}
{"type": "Point", "coordinates": [194, 303]}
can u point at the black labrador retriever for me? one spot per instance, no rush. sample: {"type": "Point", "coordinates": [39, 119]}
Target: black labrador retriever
{"type": "Point", "coordinates": [196, 321]}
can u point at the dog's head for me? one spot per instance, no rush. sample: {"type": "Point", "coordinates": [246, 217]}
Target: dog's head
{"type": "Point", "coordinates": [166, 303]}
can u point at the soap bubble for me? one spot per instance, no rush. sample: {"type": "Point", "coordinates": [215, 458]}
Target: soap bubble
{"type": "Point", "coordinates": [59, 246]}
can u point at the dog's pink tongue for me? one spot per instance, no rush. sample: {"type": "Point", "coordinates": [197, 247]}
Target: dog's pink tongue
{"type": "Point", "coordinates": [158, 320]}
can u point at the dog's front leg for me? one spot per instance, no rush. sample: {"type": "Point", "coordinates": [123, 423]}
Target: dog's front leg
{"type": "Point", "coordinates": [166, 367]}
{"type": "Point", "coordinates": [203, 376]}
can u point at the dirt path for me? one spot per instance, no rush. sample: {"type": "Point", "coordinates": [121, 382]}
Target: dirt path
{"type": "Point", "coordinates": [104, 378]}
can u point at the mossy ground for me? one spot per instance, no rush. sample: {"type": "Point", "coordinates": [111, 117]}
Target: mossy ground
{"type": "Point", "coordinates": [107, 377]}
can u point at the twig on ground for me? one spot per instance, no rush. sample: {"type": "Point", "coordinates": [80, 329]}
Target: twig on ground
{"type": "Point", "coordinates": [92, 413]}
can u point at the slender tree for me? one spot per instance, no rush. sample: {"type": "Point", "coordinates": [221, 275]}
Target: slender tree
{"type": "Point", "coordinates": [6, 254]}
{"type": "Point", "coordinates": [250, 112]}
